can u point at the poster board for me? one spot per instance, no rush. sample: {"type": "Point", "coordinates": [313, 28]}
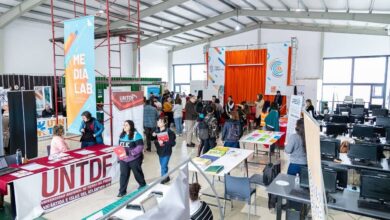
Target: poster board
{"type": "Point", "coordinates": [316, 182]}
{"type": "Point", "coordinates": [216, 71]}
{"type": "Point", "coordinates": [43, 97]}
{"type": "Point", "coordinates": [126, 106]}
{"type": "Point", "coordinates": [294, 113]}
{"type": "Point", "coordinates": [277, 68]}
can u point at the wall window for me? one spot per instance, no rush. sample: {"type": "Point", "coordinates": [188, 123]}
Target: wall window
{"type": "Point", "coordinates": [183, 74]}
{"type": "Point", "coordinates": [360, 77]}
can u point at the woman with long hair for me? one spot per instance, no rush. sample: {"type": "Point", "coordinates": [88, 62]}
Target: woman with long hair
{"type": "Point", "coordinates": [259, 107]}
{"type": "Point", "coordinates": [296, 148]}
{"type": "Point", "coordinates": [133, 143]}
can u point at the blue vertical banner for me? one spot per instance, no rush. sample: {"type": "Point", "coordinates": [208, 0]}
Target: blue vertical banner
{"type": "Point", "coordinates": [80, 85]}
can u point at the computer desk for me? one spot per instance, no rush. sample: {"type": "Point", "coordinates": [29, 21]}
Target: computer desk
{"type": "Point", "coordinates": [345, 201]}
{"type": "Point", "coordinates": [346, 161]}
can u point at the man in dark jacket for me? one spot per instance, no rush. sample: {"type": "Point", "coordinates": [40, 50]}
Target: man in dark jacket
{"type": "Point", "coordinates": [190, 118]}
{"type": "Point", "coordinates": [278, 99]}
{"type": "Point", "coordinates": [150, 122]}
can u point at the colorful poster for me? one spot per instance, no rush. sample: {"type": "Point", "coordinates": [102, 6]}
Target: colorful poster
{"type": "Point", "coordinates": [155, 90]}
{"type": "Point", "coordinates": [126, 106]}
{"type": "Point", "coordinates": [42, 98]}
{"type": "Point", "coordinates": [216, 71]}
{"type": "Point", "coordinates": [45, 126]}
{"type": "Point", "coordinates": [277, 68]}
{"type": "Point", "coordinates": [57, 187]}
{"type": "Point", "coordinates": [79, 50]}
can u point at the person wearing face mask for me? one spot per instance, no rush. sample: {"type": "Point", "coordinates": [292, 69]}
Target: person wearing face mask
{"type": "Point", "coordinates": [133, 143]}
{"type": "Point", "coordinates": [91, 130]}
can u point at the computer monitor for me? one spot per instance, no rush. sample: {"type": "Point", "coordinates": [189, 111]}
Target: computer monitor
{"type": "Point", "coordinates": [344, 111]}
{"type": "Point", "coordinates": [358, 106]}
{"type": "Point", "coordinates": [372, 107]}
{"type": "Point", "coordinates": [329, 148]}
{"type": "Point", "coordinates": [339, 119]}
{"type": "Point", "coordinates": [357, 111]}
{"type": "Point", "coordinates": [336, 129]}
{"type": "Point", "coordinates": [330, 180]}
{"type": "Point", "coordinates": [380, 112]}
{"type": "Point", "coordinates": [383, 122]}
{"type": "Point", "coordinates": [375, 187]}
{"type": "Point", "coordinates": [363, 131]}
{"type": "Point", "coordinates": [364, 152]}
{"type": "Point", "coordinates": [329, 176]}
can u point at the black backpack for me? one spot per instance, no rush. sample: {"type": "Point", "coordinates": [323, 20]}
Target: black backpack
{"type": "Point", "coordinates": [269, 173]}
{"type": "Point", "coordinates": [203, 130]}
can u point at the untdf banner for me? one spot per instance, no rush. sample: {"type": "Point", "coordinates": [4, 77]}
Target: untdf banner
{"type": "Point", "coordinates": [79, 70]}
{"type": "Point", "coordinates": [277, 68]}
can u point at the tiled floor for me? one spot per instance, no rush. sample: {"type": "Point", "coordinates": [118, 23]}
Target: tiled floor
{"type": "Point", "coordinates": [91, 203]}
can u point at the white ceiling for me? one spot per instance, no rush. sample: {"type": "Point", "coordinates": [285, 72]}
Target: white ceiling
{"type": "Point", "coordinates": [191, 12]}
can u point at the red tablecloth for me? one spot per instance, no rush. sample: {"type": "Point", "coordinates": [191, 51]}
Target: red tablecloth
{"type": "Point", "coordinates": [282, 128]}
{"type": "Point", "coordinates": [6, 179]}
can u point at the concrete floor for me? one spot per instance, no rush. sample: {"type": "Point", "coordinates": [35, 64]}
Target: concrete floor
{"type": "Point", "coordinates": [151, 168]}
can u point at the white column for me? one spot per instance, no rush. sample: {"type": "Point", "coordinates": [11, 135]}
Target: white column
{"type": "Point", "coordinates": [170, 70]}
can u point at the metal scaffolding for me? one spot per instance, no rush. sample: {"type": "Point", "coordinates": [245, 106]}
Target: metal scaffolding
{"type": "Point", "coordinates": [106, 38]}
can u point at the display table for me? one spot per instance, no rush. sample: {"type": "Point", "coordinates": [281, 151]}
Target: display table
{"type": "Point", "coordinates": [262, 140]}
{"type": "Point", "coordinates": [45, 126]}
{"type": "Point", "coordinates": [229, 161]}
{"type": "Point", "coordinates": [48, 185]}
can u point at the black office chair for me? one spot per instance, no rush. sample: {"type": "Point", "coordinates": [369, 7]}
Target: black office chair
{"type": "Point", "coordinates": [11, 159]}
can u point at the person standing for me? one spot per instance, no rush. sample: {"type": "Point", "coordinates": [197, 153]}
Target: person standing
{"type": "Point", "coordinates": [133, 143]}
{"type": "Point", "coordinates": [165, 140]}
{"type": "Point", "coordinates": [278, 99]}
{"type": "Point", "coordinates": [178, 115]}
{"type": "Point", "coordinates": [91, 130]}
{"type": "Point", "coordinates": [296, 148]}
{"type": "Point", "coordinates": [150, 120]}
{"type": "Point", "coordinates": [272, 119]}
{"type": "Point", "coordinates": [310, 108]}
{"type": "Point", "coordinates": [190, 117]}
{"type": "Point", "coordinates": [259, 107]}
{"type": "Point", "coordinates": [229, 107]}
{"type": "Point", "coordinates": [207, 131]}
{"type": "Point", "coordinates": [232, 131]}
{"type": "Point", "coordinates": [58, 144]}
{"type": "Point", "coordinates": [167, 108]}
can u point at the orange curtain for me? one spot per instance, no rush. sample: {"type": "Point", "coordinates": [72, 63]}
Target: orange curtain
{"type": "Point", "coordinates": [244, 82]}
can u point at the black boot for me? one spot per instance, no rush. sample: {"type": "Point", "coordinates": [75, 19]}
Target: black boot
{"type": "Point", "coordinates": [165, 180]}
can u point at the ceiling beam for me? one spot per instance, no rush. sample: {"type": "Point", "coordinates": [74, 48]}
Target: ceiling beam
{"type": "Point", "coordinates": [363, 17]}
{"type": "Point", "coordinates": [18, 11]}
{"type": "Point", "coordinates": [265, 13]}
{"type": "Point", "coordinates": [189, 27]}
{"type": "Point", "coordinates": [146, 12]}
{"type": "Point", "coordinates": [334, 29]}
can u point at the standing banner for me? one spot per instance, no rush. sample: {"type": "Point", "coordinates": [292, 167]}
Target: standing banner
{"type": "Point", "coordinates": [294, 113]}
{"type": "Point", "coordinates": [54, 188]}
{"type": "Point", "coordinates": [277, 68]}
{"type": "Point", "coordinates": [79, 50]}
{"type": "Point", "coordinates": [126, 106]}
{"type": "Point", "coordinates": [45, 126]}
{"type": "Point", "coordinates": [216, 71]}
{"type": "Point", "coordinates": [316, 182]}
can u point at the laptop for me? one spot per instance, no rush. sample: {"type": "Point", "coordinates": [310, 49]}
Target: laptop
{"type": "Point", "coordinates": [4, 169]}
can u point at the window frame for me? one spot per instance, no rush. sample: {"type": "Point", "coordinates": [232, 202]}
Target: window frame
{"type": "Point", "coordinates": [190, 66]}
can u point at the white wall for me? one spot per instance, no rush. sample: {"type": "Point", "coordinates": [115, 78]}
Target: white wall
{"type": "Point", "coordinates": [28, 51]}
{"type": "Point", "coordinates": [342, 45]}
{"type": "Point", "coordinates": [189, 55]}
{"type": "Point", "coordinates": [154, 61]}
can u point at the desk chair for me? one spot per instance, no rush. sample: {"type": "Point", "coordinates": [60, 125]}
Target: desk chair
{"type": "Point", "coordinates": [239, 188]}
{"type": "Point", "coordinates": [11, 159]}
{"type": "Point", "coordinates": [359, 101]}
{"type": "Point", "coordinates": [348, 99]}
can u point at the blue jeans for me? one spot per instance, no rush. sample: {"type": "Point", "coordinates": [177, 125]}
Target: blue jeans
{"type": "Point", "coordinates": [234, 144]}
{"type": "Point", "coordinates": [87, 143]}
{"type": "Point", "coordinates": [164, 160]}
{"type": "Point", "coordinates": [293, 169]}
{"type": "Point", "coordinates": [179, 125]}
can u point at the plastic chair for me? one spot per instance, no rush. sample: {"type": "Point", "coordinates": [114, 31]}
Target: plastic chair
{"type": "Point", "coordinates": [11, 159]}
{"type": "Point", "coordinates": [239, 188]}
{"type": "Point", "coordinates": [256, 179]}
{"type": "Point", "coordinates": [348, 99]}
{"type": "Point", "coordinates": [359, 101]}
